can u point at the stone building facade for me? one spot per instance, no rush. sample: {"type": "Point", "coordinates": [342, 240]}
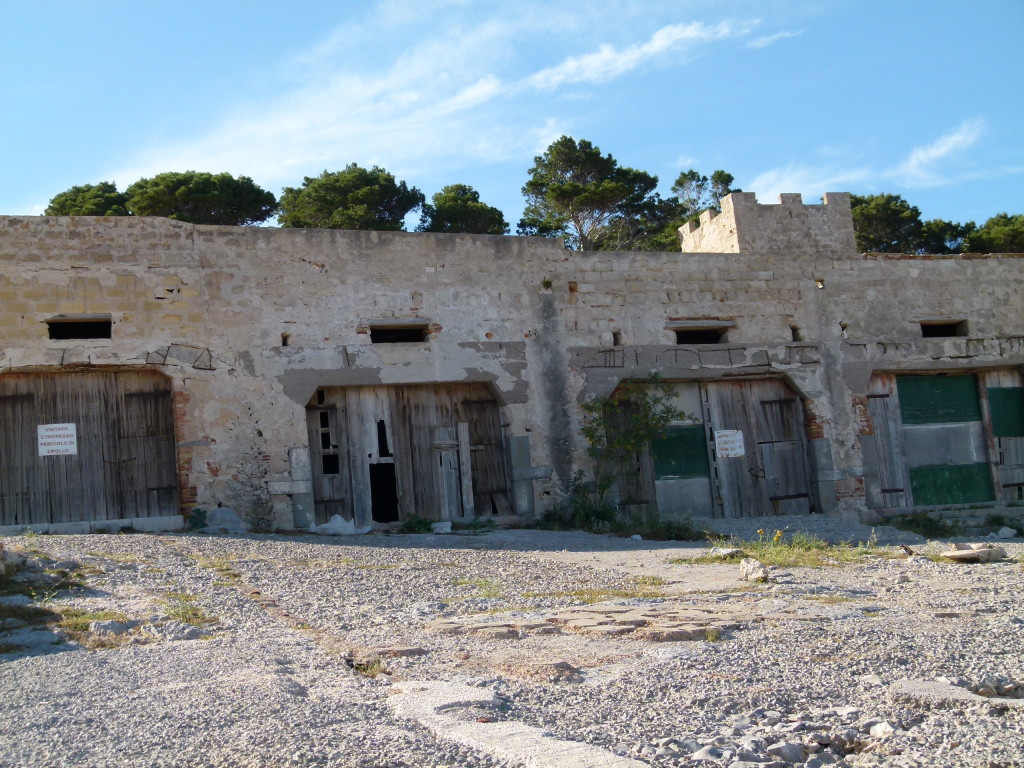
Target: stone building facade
{"type": "Point", "coordinates": [296, 374]}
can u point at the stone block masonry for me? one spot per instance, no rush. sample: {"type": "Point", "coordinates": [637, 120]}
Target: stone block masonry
{"type": "Point", "coordinates": [249, 324]}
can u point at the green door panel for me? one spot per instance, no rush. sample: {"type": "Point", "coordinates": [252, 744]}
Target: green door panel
{"type": "Point", "coordinates": [682, 452]}
{"type": "Point", "coordinates": [1007, 406]}
{"type": "Point", "coordinates": [938, 399]}
{"type": "Point", "coordinates": [951, 484]}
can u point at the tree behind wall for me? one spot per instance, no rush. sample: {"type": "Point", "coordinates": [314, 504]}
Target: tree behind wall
{"type": "Point", "coordinates": [885, 224]}
{"type": "Point", "coordinates": [1002, 233]}
{"type": "Point", "coordinates": [101, 199]}
{"type": "Point", "coordinates": [354, 198]}
{"type": "Point", "coordinates": [574, 192]}
{"type": "Point", "coordinates": [201, 198]}
{"type": "Point", "coordinates": [457, 208]}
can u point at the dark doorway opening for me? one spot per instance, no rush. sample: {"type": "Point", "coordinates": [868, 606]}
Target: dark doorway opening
{"type": "Point", "coordinates": [383, 493]}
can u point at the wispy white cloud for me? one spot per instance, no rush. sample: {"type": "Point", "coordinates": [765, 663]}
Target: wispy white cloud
{"type": "Point", "coordinates": [919, 169]}
{"type": "Point", "coordinates": [443, 92]}
{"type": "Point", "coordinates": [608, 61]}
{"type": "Point", "coordinates": [764, 42]}
{"type": "Point", "coordinates": [811, 182]}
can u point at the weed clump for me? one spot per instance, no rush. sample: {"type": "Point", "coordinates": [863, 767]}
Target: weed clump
{"type": "Point", "coordinates": [924, 525]}
{"type": "Point", "coordinates": [415, 524]}
{"type": "Point", "coordinates": [798, 549]}
{"type": "Point", "coordinates": [582, 509]}
{"type": "Point", "coordinates": [179, 606]}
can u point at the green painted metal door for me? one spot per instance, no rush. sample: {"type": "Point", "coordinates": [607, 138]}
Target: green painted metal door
{"type": "Point", "coordinates": [944, 439]}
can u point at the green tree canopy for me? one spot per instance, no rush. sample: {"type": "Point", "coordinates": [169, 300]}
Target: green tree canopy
{"type": "Point", "coordinates": [886, 224]}
{"type": "Point", "coordinates": [201, 198]}
{"type": "Point", "coordinates": [939, 236]}
{"type": "Point", "coordinates": [101, 199]}
{"type": "Point", "coordinates": [457, 208]}
{"type": "Point", "coordinates": [574, 192]}
{"type": "Point", "coordinates": [1002, 233]}
{"type": "Point", "coordinates": [656, 228]}
{"type": "Point", "coordinates": [696, 193]}
{"type": "Point", "coordinates": [355, 198]}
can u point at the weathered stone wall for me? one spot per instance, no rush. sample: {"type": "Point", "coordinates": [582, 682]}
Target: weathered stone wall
{"type": "Point", "coordinates": [746, 226]}
{"type": "Point", "coordinates": [248, 322]}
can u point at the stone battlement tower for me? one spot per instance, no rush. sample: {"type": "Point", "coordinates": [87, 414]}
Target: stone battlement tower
{"type": "Point", "coordinates": [789, 227]}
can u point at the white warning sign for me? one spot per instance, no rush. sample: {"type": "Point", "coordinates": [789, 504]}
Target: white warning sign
{"type": "Point", "coordinates": [57, 439]}
{"type": "Point", "coordinates": [728, 443]}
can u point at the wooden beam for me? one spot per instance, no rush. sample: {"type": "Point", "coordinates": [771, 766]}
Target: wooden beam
{"type": "Point", "coordinates": [465, 470]}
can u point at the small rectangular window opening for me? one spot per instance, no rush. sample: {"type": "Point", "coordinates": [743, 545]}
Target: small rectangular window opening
{"type": "Point", "coordinates": [616, 338]}
{"type": "Point", "coordinates": [700, 335]}
{"type": "Point", "coordinates": [389, 334]}
{"type": "Point", "coordinates": [943, 330]}
{"type": "Point", "coordinates": [80, 327]}
{"type": "Point", "coordinates": [795, 333]}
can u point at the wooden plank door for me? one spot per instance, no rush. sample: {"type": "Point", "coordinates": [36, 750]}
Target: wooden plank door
{"type": "Point", "coordinates": [146, 456]}
{"type": "Point", "coordinates": [124, 466]}
{"type": "Point", "coordinates": [778, 422]}
{"type": "Point", "coordinates": [769, 473]}
{"type": "Point", "coordinates": [20, 489]}
{"type": "Point", "coordinates": [737, 490]}
{"type": "Point", "coordinates": [329, 462]}
{"type": "Point", "coordinates": [1004, 404]}
{"type": "Point", "coordinates": [487, 455]}
{"type": "Point", "coordinates": [887, 438]}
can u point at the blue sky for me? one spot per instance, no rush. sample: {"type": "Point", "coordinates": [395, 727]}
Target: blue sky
{"type": "Point", "coordinates": [918, 99]}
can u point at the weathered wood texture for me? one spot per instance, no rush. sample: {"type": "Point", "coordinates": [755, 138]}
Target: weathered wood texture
{"type": "Point", "coordinates": [1003, 401]}
{"type": "Point", "coordinates": [125, 466]}
{"type": "Point", "coordinates": [772, 475]}
{"type": "Point", "coordinates": [887, 436]}
{"type": "Point", "coordinates": [417, 429]}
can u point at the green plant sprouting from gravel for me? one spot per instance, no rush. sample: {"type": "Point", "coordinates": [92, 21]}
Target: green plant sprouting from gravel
{"type": "Point", "coordinates": [415, 524]}
{"type": "Point", "coordinates": [118, 557]}
{"type": "Point", "coordinates": [76, 620]}
{"type": "Point", "coordinates": [794, 550]}
{"type": "Point", "coordinates": [923, 524]}
{"type": "Point", "coordinates": [180, 606]}
{"type": "Point", "coordinates": [370, 667]}
{"type": "Point", "coordinates": [485, 588]}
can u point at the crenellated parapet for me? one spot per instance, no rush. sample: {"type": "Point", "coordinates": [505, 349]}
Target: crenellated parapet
{"type": "Point", "coordinates": [788, 227]}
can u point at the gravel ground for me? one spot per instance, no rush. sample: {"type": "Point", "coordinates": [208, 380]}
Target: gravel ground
{"type": "Point", "coordinates": [276, 680]}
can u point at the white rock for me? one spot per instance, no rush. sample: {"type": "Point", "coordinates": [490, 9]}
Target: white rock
{"type": "Point", "coordinates": [339, 526]}
{"type": "Point", "coordinates": [975, 553]}
{"type": "Point", "coordinates": [789, 751]}
{"type": "Point", "coordinates": [752, 570]}
{"type": "Point", "coordinates": [112, 626]}
{"type": "Point", "coordinates": [1006, 533]}
{"type": "Point", "coordinates": [882, 730]}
